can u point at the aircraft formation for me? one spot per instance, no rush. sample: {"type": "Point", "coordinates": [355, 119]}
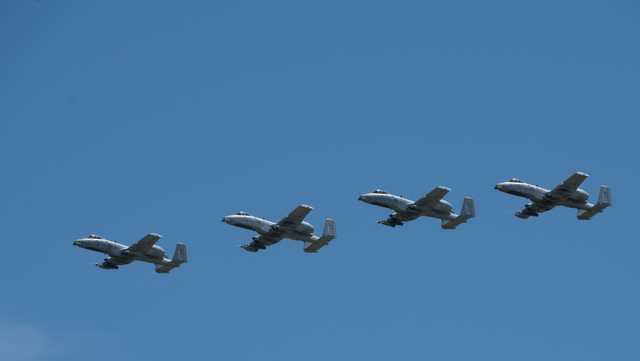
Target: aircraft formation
{"type": "Point", "coordinates": [294, 227]}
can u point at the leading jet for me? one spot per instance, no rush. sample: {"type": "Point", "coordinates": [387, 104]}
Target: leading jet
{"type": "Point", "coordinates": [292, 227]}
{"type": "Point", "coordinates": [144, 250]}
{"type": "Point", "coordinates": [567, 194]}
{"type": "Point", "coordinates": [431, 205]}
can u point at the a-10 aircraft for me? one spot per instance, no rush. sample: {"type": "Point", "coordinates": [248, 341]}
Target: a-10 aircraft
{"type": "Point", "coordinates": [431, 205]}
{"type": "Point", "coordinates": [144, 250]}
{"type": "Point", "coordinates": [292, 227]}
{"type": "Point", "coordinates": [567, 194]}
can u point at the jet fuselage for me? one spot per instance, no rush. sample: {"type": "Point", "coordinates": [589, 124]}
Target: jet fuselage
{"type": "Point", "coordinates": [405, 209]}
{"type": "Point", "coordinates": [119, 252]}
{"type": "Point", "coordinates": [300, 232]}
{"type": "Point", "coordinates": [572, 199]}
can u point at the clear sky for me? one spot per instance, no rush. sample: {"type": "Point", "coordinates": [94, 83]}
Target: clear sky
{"type": "Point", "coordinates": [127, 117]}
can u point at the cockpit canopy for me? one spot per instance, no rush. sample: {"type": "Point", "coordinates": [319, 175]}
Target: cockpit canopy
{"type": "Point", "coordinates": [242, 214]}
{"type": "Point", "coordinates": [379, 191]}
{"type": "Point", "coordinates": [516, 180]}
{"type": "Point", "coordinates": [94, 236]}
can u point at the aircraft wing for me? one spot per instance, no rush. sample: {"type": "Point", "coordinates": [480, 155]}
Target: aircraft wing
{"type": "Point", "coordinates": [571, 184]}
{"type": "Point", "coordinates": [107, 264]}
{"type": "Point", "coordinates": [533, 209]}
{"type": "Point", "coordinates": [432, 197]}
{"type": "Point", "coordinates": [260, 242]}
{"type": "Point", "coordinates": [145, 244]}
{"type": "Point", "coordinates": [296, 216]}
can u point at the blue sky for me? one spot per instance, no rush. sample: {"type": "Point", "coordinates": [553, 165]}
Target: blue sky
{"type": "Point", "coordinates": [122, 118]}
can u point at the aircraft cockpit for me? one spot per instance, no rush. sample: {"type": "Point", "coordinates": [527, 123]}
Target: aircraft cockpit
{"type": "Point", "coordinates": [94, 236]}
{"type": "Point", "coordinates": [379, 191]}
{"type": "Point", "coordinates": [242, 214]}
{"type": "Point", "coordinates": [515, 180]}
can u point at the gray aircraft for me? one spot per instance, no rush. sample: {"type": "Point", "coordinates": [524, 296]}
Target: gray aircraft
{"type": "Point", "coordinates": [431, 205]}
{"type": "Point", "coordinates": [567, 194]}
{"type": "Point", "coordinates": [144, 250]}
{"type": "Point", "coordinates": [292, 227]}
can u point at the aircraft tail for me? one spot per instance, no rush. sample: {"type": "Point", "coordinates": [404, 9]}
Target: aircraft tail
{"type": "Point", "coordinates": [468, 211]}
{"type": "Point", "coordinates": [179, 257]}
{"type": "Point", "coordinates": [604, 201]}
{"type": "Point", "coordinates": [328, 235]}
{"type": "Point", "coordinates": [180, 254]}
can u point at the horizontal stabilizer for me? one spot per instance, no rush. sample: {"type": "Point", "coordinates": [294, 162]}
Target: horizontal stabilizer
{"type": "Point", "coordinates": [313, 247]}
{"type": "Point", "coordinates": [468, 211]}
{"type": "Point", "coordinates": [163, 268]}
{"type": "Point", "coordinates": [179, 257]}
{"type": "Point", "coordinates": [604, 201]}
{"type": "Point", "coordinates": [327, 236]}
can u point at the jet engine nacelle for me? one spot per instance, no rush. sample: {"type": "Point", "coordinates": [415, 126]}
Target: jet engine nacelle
{"type": "Point", "coordinates": [305, 228]}
{"type": "Point", "coordinates": [156, 252]}
{"type": "Point", "coordinates": [580, 195]}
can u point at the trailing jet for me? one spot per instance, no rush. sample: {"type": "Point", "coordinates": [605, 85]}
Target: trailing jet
{"type": "Point", "coordinates": [568, 194]}
{"type": "Point", "coordinates": [144, 250]}
{"type": "Point", "coordinates": [292, 227]}
{"type": "Point", "coordinates": [431, 205]}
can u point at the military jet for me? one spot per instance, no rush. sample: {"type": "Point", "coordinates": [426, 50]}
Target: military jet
{"type": "Point", "coordinates": [431, 205]}
{"type": "Point", "coordinates": [292, 227]}
{"type": "Point", "coordinates": [144, 250]}
{"type": "Point", "coordinates": [568, 194]}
